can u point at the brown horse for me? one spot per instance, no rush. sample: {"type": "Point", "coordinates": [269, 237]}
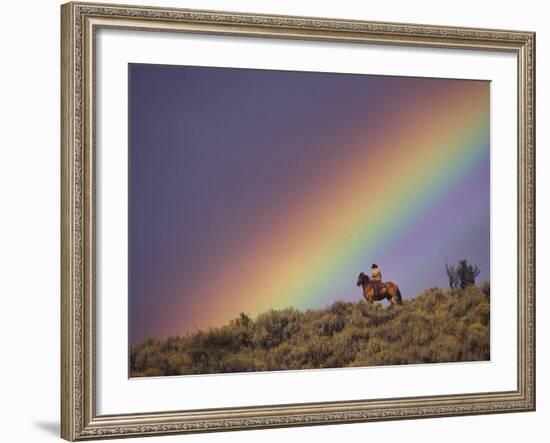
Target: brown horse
{"type": "Point", "coordinates": [389, 290]}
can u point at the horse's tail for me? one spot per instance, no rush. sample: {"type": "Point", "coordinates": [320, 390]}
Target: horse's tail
{"type": "Point", "coordinates": [399, 298]}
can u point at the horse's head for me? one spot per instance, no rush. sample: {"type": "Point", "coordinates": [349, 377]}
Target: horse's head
{"type": "Point", "coordinates": [362, 278]}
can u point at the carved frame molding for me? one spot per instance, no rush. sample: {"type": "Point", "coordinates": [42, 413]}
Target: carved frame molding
{"type": "Point", "coordinates": [80, 21]}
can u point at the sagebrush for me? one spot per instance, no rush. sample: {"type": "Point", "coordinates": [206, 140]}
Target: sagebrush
{"type": "Point", "coordinates": [437, 326]}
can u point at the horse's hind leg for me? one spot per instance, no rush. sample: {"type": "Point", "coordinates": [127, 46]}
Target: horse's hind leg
{"type": "Point", "coordinates": [395, 300]}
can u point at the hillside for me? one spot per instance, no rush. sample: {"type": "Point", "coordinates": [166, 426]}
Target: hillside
{"type": "Point", "coordinates": [437, 326]}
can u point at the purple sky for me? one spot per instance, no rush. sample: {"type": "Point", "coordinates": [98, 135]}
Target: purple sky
{"type": "Point", "coordinates": [212, 149]}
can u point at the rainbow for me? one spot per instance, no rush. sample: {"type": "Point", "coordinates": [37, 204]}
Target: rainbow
{"type": "Point", "coordinates": [387, 185]}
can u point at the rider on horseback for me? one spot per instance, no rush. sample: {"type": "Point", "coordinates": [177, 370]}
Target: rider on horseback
{"type": "Point", "coordinates": [375, 290]}
{"type": "Point", "coordinates": [376, 278]}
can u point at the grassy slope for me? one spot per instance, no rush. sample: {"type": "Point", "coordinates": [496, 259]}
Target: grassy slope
{"type": "Point", "coordinates": [437, 326]}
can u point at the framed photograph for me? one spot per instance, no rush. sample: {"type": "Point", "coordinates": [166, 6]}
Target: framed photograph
{"type": "Point", "coordinates": [283, 221]}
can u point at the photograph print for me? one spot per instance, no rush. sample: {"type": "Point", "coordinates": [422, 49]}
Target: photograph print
{"type": "Point", "coordinates": [285, 220]}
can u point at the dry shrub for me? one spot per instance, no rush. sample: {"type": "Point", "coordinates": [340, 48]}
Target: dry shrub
{"type": "Point", "coordinates": [437, 326]}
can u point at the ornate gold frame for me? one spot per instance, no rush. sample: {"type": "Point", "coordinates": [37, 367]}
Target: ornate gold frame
{"type": "Point", "coordinates": [79, 22]}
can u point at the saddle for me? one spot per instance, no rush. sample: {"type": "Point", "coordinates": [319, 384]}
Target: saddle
{"type": "Point", "coordinates": [378, 286]}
